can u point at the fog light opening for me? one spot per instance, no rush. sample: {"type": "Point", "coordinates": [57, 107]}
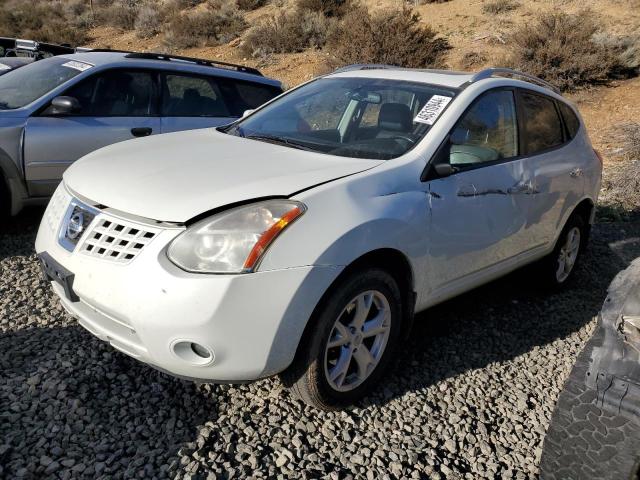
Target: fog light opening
{"type": "Point", "coordinates": [192, 352]}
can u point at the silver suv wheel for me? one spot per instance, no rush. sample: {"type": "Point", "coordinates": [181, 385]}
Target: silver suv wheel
{"type": "Point", "coordinates": [357, 341]}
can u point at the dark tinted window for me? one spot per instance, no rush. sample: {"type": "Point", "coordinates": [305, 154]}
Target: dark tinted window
{"type": "Point", "coordinates": [487, 131]}
{"type": "Point", "coordinates": [200, 96]}
{"type": "Point", "coordinates": [188, 96]}
{"type": "Point", "coordinates": [115, 93]}
{"type": "Point", "coordinates": [570, 119]}
{"type": "Point", "coordinates": [542, 128]}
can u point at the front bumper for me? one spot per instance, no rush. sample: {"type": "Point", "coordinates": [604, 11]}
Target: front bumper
{"type": "Point", "coordinates": [251, 323]}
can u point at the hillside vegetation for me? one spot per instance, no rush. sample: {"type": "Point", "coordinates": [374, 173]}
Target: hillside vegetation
{"type": "Point", "coordinates": [592, 54]}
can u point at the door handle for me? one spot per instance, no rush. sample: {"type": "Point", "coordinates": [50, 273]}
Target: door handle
{"type": "Point", "coordinates": [141, 131]}
{"type": "Point", "coordinates": [576, 172]}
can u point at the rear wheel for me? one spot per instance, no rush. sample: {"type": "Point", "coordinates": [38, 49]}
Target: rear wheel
{"type": "Point", "coordinates": [558, 267]}
{"type": "Point", "coordinates": [350, 342]}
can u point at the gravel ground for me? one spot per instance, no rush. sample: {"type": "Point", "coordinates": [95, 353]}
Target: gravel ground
{"type": "Point", "coordinates": [470, 397]}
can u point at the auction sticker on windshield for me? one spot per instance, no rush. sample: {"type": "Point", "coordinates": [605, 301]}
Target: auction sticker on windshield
{"type": "Point", "coordinates": [432, 109]}
{"type": "Point", "coordinates": [81, 66]}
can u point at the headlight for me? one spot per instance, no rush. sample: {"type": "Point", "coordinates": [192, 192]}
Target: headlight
{"type": "Point", "coordinates": [233, 241]}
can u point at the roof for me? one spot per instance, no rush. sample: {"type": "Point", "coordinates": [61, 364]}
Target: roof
{"type": "Point", "coordinates": [120, 59]}
{"type": "Point", "coordinates": [444, 78]}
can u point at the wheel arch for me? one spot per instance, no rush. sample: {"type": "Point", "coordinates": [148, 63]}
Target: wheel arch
{"type": "Point", "coordinates": [389, 259]}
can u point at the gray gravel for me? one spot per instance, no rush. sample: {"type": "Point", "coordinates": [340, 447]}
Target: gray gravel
{"type": "Point", "coordinates": [470, 396]}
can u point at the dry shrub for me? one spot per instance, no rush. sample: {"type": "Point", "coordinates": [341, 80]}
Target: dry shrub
{"type": "Point", "coordinates": [148, 22]}
{"type": "Point", "coordinates": [44, 21]}
{"type": "Point", "coordinates": [219, 23]}
{"type": "Point", "coordinates": [120, 14]}
{"type": "Point", "coordinates": [471, 60]}
{"type": "Point", "coordinates": [288, 32]}
{"type": "Point", "coordinates": [394, 37]}
{"type": "Point", "coordinates": [497, 7]}
{"type": "Point", "coordinates": [251, 4]}
{"type": "Point", "coordinates": [625, 48]}
{"type": "Point", "coordinates": [329, 8]}
{"type": "Point", "coordinates": [559, 48]}
{"type": "Point", "coordinates": [620, 197]}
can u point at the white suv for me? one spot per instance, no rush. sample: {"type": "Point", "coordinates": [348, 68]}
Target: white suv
{"type": "Point", "coordinates": [302, 239]}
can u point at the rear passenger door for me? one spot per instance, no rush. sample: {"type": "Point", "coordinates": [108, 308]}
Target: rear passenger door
{"type": "Point", "coordinates": [196, 101]}
{"type": "Point", "coordinates": [554, 161]}
{"type": "Point", "coordinates": [115, 105]}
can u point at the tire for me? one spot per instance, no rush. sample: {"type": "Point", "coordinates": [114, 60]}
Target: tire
{"type": "Point", "coordinates": [584, 441]}
{"type": "Point", "coordinates": [5, 199]}
{"type": "Point", "coordinates": [550, 265]}
{"type": "Point", "coordinates": [316, 376]}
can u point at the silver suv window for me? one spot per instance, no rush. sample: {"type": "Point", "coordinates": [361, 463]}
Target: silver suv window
{"type": "Point", "coordinates": [26, 84]}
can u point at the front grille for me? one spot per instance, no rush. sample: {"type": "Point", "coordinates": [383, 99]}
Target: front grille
{"type": "Point", "coordinates": [116, 240]}
{"type": "Point", "coordinates": [75, 224]}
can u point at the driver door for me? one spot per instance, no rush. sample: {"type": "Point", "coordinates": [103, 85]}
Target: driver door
{"type": "Point", "coordinates": [115, 105]}
{"type": "Point", "coordinates": [479, 213]}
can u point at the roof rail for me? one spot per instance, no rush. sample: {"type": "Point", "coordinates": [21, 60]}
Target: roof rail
{"type": "Point", "coordinates": [364, 66]}
{"type": "Point", "coordinates": [199, 61]}
{"type": "Point", "coordinates": [508, 72]}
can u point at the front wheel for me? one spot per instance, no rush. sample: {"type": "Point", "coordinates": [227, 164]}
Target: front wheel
{"type": "Point", "coordinates": [350, 341]}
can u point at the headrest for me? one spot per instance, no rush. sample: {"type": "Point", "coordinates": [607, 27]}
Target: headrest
{"type": "Point", "coordinates": [395, 116]}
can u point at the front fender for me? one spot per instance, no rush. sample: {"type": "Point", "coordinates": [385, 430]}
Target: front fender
{"type": "Point", "coordinates": [341, 225]}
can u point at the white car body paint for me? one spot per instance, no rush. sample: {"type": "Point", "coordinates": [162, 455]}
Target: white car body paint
{"type": "Point", "coordinates": [453, 241]}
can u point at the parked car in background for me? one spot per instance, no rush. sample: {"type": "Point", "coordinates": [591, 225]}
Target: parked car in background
{"type": "Point", "coordinates": [595, 428]}
{"type": "Point", "coordinates": [16, 53]}
{"type": "Point", "coordinates": [56, 110]}
{"type": "Point", "coordinates": [302, 238]}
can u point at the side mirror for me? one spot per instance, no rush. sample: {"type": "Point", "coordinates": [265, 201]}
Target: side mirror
{"type": "Point", "coordinates": [64, 105]}
{"type": "Point", "coordinates": [248, 112]}
{"type": "Point", "coordinates": [444, 169]}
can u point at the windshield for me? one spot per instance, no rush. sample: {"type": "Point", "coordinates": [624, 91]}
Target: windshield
{"type": "Point", "coordinates": [23, 85]}
{"type": "Point", "coordinates": [349, 117]}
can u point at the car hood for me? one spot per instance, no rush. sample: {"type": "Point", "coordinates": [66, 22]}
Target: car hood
{"type": "Point", "coordinates": [175, 177]}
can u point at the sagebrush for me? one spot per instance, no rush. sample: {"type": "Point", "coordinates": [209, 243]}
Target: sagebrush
{"type": "Point", "coordinates": [219, 23]}
{"type": "Point", "coordinates": [395, 37]}
{"type": "Point", "coordinates": [560, 48]}
{"type": "Point", "coordinates": [620, 197]}
{"type": "Point", "coordinates": [286, 32]}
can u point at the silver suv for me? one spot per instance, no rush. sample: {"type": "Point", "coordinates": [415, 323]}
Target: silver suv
{"type": "Point", "coordinates": [54, 111]}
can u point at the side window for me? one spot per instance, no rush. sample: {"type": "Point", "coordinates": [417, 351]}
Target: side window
{"type": "Point", "coordinates": [248, 96]}
{"type": "Point", "coordinates": [189, 96]}
{"type": "Point", "coordinates": [570, 119]}
{"type": "Point", "coordinates": [542, 128]}
{"type": "Point", "coordinates": [487, 132]}
{"type": "Point", "coordinates": [115, 93]}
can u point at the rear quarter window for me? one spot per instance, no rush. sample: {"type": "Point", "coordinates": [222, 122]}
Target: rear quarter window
{"type": "Point", "coordinates": [571, 121]}
{"type": "Point", "coordinates": [541, 127]}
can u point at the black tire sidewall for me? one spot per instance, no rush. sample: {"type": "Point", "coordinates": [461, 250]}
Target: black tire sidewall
{"type": "Point", "coordinates": [371, 279]}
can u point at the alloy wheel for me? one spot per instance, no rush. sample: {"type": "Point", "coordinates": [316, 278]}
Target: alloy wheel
{"type": "Point", "coordinates": [568, 254]}
{"type": "Point", "coordinates": [357, 341]}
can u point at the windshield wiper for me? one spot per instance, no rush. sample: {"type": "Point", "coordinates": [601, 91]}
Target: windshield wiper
{"type": "Point", "coordinates": [280, 141]}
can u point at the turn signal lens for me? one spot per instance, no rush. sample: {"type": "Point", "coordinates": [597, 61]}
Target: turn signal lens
{"type": "Point", "coordinates": [233, 241]}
